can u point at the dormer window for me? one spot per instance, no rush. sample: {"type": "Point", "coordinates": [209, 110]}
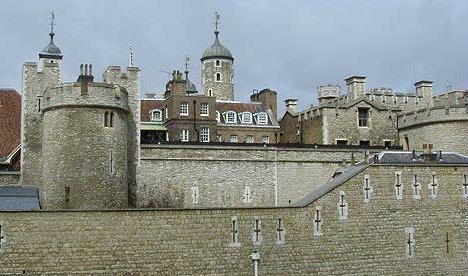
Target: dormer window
{"type": "Point", "coordinates": [230, 117]}
{"type": "Point", "coordinates": [156, 115]}
{"type": "Point", "coordinates": [218, 63]}
{"type": "Point", "coordinates": [262, 118]}
{"type": "Point", "coordinates": [218, 77]}
{"type": "Point", "coordinates": [245, 117]}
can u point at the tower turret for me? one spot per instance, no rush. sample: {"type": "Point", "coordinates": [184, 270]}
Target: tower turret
{"type": "Point", "coordinates": [218, 69]}
{"type": "Point", "coordinates": [328, 92]}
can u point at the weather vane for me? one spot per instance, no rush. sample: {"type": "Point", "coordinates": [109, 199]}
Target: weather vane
{"type": "Point", "coordinates": [217, 17]}
{"type": "Point", "coordinates": [130, 55]}
{"type": "Point", "coordinates": [52, 18]}
{"type": "Point", "coordinates": [187, 59]}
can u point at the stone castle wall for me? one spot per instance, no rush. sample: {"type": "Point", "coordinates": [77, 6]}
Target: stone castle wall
{"type": "Point", "coordinates": [224, 175]}
{"type": "Point", "coordinates": [371, 240]}
{"type": "Point", "coordinates": [445, 128]}
{"type": "Point", "coordinates": [10, 178]}
{"type": "Point", "coordinates": [224, 89]}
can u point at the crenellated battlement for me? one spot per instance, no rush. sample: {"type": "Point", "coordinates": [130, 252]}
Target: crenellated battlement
{"type": "Point", "coordinates": [433, 115]}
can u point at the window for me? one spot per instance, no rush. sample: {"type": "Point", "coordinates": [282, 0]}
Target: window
{"type": "Point", "coordinates": [194, 194]}
{"type": "Point", "coordinates": [249, 139]}
{"type": "Point", "coordinates": [341, 142]}
{"type": "Point", "coordinates": [183, 109]}
{"type": "Point", "coordinates": [398, 185]}
{"type": "Point", "coordinates": [234, 139]}
{"type": "Point", "coordinates": [218, 117]}
{"type": "Point", "coordinates": [106, 119]}
{"type": "Point", "coordinates": [365, 143]}
{"type": "Point", "coordinates": [39, 105]}
{"type": "Point", "coordinates": [416, 187]}
{"type": "Point", "coordinates": [262, 118]}
{"type": "Point", "coordinates": [184, 135]}
{"type": "Point", "coordinates": [465, 186]}
{"type": "Point", "coordinates": [363, 117]}
{"type": "Point", "coordinates": [204, 134]}
{"type": "Point", "coordinates": [204, 109]}
{"type": "Point", "coordinates": [156, 115]}
{"type": "Point", "coordinates": [2, 239]}
{"type": "Point", "coordinates": [67, 194]}
{"type": "Point", "coordinates": [230, 117]}
{"type": "Point", "coordinates": [234, 240]}
{"type": "Point", "coordinates": [232, 78]}
{"type": "Point", "coordinates": [257, 231]}
{"type": "Point", "coordinates": [210, 92]}
{"type": "Point", "coordinates": [266, 139]}
{"type": "Point", "coordinates": [367, 189]}
{"type": "Point", "coordinates": [387, 143]}
{"type": "Point", "coordinates": [433, 185]}
{"type": "Point", "coordinates": [218, 77]}
{"type": "Point", "coordinates": [218, 63]}
{"type": "Point", "coordinates": [111, 119]}
{"type": "Point", "coordinates": [342, 206]}
{"type": "Point", "coordinates": [280, 232]}
{"type": "Point", "coordinates": [246, 117]}
{"type": "Point", "coordinates": [247, 195]}
{"type": "Point", "coordinates": [409, 241]}
{"type": "Point", "coordinates": [318, 221]}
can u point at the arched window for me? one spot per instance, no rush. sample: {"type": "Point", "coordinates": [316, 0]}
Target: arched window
{"type": "Point", "coordinates": [246, 117]}
{"type": "Point", "coordinates": [210, 92]}
{"type": "Point", "coordinates": [111, 119]}
{"type": "Point", "coordinates": [218, 63]}
{"type": "Point", "coordinates": [218, 76]}
{"type": "Point", "coordinates": [230, 117]}
{"type": "Point", "coordinates": [106, 119]}
{"type": "Point", "coordinates": [156, 115]}
{"type": "Point", "coordinates": [232, 78]}
{"type": "Point", "coordinates": [262, 118]}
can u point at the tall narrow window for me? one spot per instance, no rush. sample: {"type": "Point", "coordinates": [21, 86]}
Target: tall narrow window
{"type": "Point", "coordinates": [433, 185]}
{"type": "Point", "coordinates": [363, 117]}
{"type": "Point", "coordinates": [257, 231]}
{"type": "Point", "coordinates": [111, 119]}
{"type": "Point", "coordinates": [249, 139]}
{"type": "Point", "coordinates": [234, 235]}
{"type": "Point", "coordinates": [195, 194]}
{"type": "Point", "coordinates": [230, 117]}
{"type": "Point", "coordinates": [266, 139]}
{"type": "Point", "coordinates": [318, 221]}
{"type": "Point", "coordinates": [218, 77]}
{"type": "Point", "coordinates": [448, 242]}
{"type": "Point", "coordinates": [106, 119]}
{"type": "Point", "coordinates": [342, 207]}
{"type": "Point", "coordinates": [409, 242]}
{"type": "Point", "coordinates": [280, 233]}
{"type": "Point", "coordinates": [416, 187]}
{"type": "Point", "coordinates": [210, 92]}
{"type": "Point", "coordinates": [2, 239]}
{"type": "Point", "coordinates": [247, 195]}
{"type": "Point", "coordinates": [204, 109]}
{"type": "Point", "coordinates": [183, 109]}
{"type": "Point", "coordinates": [184, 135]}
{"type": "Point", "coordinates": [465, 186]}
{"type": "Point", "coordinates": [39, 108]}
{"type": "Point", "coordinates": [218, 63]}
{"type": "Point", "coordinates": [67, 194]}
{"type": "Point", "coordinates": [398, 185]}
{"type": "Point", "coordinates": [111, 164]}
{"type": "Point", "coordinates": [367, 189]}
{"type": "Point", "coordinates": [204, 134]}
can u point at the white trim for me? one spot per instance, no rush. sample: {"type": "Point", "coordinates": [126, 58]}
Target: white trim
{"type": "Point", "coordinates": [261, 122]}
{"type": "Point", "coordinates": [207, 109]}
{"type": "Point", "coordinates": [181, 109]}
{"type": "Point", "coordinates": [242, 118]}
{"type": "Point", "coordinates": [226, 116]}
{"type": "Point", "coordinates": [156, 110]}
{"type": "Point", "coordinates": [220, 77]}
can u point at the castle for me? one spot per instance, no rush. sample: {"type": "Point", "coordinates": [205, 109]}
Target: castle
{"type": "Point", "coordinates": [114, 184]}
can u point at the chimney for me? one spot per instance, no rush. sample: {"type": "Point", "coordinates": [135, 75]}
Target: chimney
{"type": "Point", "coordinates": [356, 87]}
{"type": "Point", "coordinates": [291, 105]}
{"type": "Point", "coordinates": [85, 77]}
{"type": "Point", "coordinates": [424, 90]}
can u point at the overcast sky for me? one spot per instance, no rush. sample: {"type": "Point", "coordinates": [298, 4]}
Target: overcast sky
{"type": "Point", "coordinates": [288, 46]}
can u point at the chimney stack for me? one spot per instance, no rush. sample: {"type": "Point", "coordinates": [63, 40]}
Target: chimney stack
{"type": "Point", "coordinates": [291, 105]}
{"type": "Point", "coordinates": [356, 86]}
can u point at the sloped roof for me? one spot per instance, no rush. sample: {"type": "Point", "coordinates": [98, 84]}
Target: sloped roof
{"type": "Point", "coordinates": [19, 198]}
{"type": "Point", "coordinates": [239, 107]}
{"type": "Point", "coordinates": [10, 121]}
{"type": "Point", "coordinates": [146, 105]}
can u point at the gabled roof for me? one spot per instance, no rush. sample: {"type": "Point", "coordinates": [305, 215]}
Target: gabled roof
{"type": "Point", "coordinates": [19, 198]}
{"type": "Point", "coordinates": [10, 121]}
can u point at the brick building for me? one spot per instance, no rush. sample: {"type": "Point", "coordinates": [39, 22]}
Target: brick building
{"type": "Point", "coordinates": [10, 129]}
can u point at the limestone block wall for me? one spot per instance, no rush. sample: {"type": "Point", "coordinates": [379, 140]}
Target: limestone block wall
{"type": "Point", "coordinates": [372, 239]}
{"type": "Point", "coordinates": [223, 89]}
{"type": "Point", "coordinates": [445, 128]}
{"type": "Point", "coordinates": [172, 175]}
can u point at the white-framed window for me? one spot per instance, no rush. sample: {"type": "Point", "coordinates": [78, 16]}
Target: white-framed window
{"type": "Point", "coordinates": [218, 117]}
{"type": "Point", "coordinates": [156, 115]}
{"type": "Point", "coordinates": [262, 118]}
{"type": "Point", "coordinates": [234, 139]}
{"type": "Point", "coordinates": [166, 113]}
{"type": "Point", "coordinates": [2, 239]}
{"type": "Point", "coordinates": [183, 109]}
{"type": "Point", "coordinates": [184, 135]}
{"type": "Point", "coordinates": [465, 186]}
{"type": "Point", "coordinates": [219, 138]}
{"type": "Point", "coordinates": [409, 241]}
{"type": "Point", "coordinates": [218, 77]}
{"type": "Point", "coordinates": [204, 134]}
{"type": "Point", "coordinates": [245, 117]}
{"type": "Point", "coordinates": [249, 139]}
{"type": "Point", "coordinates": [230, 117]}
{"type": "Point", "coordinates": [433, 185]}
{"type": "Point", "coordinates": [218, 63]}
{"type": "Point", "coordinates": [318, 221]}
{"type": "Point", "coordinates": [204, 109]}
{"type": "Point", "coordinates": [398, 185]}
{"type": "Point", "coordinates": [210, 92]}
{"type": "Point", "coordinates": [195, 195]}
{"type": "Point", "coordinates": [342, 206]}
{"type": "Point", "coordinates": [416, 187]}
{"type": "Point", "coordinates": [280, 232]}
{"type": "Point", "coordinates": [257, 231]}
{"type": "Point", "coordinates": [234, 232]}
{"type": "Point", "coordinates": [367, 188]}
{"type": "Point", "coordinates": [266, 139]}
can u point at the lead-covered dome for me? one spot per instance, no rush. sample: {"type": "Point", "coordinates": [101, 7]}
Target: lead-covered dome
{"type": "Point", "coordinates": [217, 50]}
{"type": "Point", "coordinates": [51, 50]}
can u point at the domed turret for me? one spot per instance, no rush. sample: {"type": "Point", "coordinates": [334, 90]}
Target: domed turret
{"type": "Point", "coordinates": [51, 50]}
{"type": "Point", "coordinates": [218, 70]}
{"type": "Point", "coordinates": [217, 50]}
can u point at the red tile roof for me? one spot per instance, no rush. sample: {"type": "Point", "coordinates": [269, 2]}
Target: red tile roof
{"type": "Point", "coordinates": [147, 105]}
{"type": "Point", "coordinates": [10, 121]}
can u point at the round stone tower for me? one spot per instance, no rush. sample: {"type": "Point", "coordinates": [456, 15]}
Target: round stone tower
{"type": "Point", "coordinates": [218, 71]}
{"type": "Point", "coordinates": [85, 145]}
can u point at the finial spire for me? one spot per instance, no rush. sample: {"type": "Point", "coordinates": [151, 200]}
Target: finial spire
{"type": "Point", "coordinates": [52, 18]}
{"type": "Point", "coordinates": [217, 17]}
{"type": "Point", "coordinates": [130, 55]}
{"type": "Point", "coordinates": [187, 59]}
